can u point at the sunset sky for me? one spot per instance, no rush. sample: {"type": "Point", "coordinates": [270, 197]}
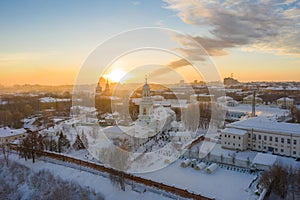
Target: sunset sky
{"type": "Point", "coordinates": [46, 42]}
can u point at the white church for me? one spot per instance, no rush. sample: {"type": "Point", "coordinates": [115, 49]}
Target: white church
{"type": "Point", "coordinates": [151, 119]}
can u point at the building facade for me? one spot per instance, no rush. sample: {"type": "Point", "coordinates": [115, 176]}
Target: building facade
{"type": "Point", "coordinates": [285, 102]}
{"type": "Point", "coordinates": [262, 135]}
{"type": "Point", "coordinates": [7, 135]}
{"type": "Point", "coordinates": [249, 99]}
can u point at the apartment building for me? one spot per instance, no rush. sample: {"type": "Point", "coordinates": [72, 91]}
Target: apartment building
{"type": "Point", "coordinates": [260, 134]}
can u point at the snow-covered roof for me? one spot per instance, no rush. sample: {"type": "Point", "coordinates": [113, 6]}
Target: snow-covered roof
{"type": "Point", "coordinates": [84, 108]}
{"type": "Point", "coordinates": [251, 97]}
{"type": "Point", "coordinates": [7, 132]}
{"type": "Point", "coordinates": [3, 102]}
{"type": "Point", "coordinates": [264, 159]}
{"type": "Point", "coordinates": [261, 110]}
{"type": "Point", "coordinates": [117, 130]}
{"type": "Point", "coordinates": [51, 100]}
{"type": "Point", "coordinates": [234, 131]}
{"type": "Point", "coordinates": [281, 88]}
{"type": "Point", "coordinates": [224, 98]}
{"type": "Point", "coordinates": [180, 134]}
{"type": "Point", "coordinates": [285, 99]}
{"type": "Point", "coordinates": [262, 124]}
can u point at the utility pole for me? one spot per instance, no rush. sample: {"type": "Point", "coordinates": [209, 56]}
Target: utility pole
{"type": "Point", "coordinates": [253, 103]}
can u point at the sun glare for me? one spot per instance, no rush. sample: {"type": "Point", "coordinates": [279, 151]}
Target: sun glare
{"type": "Point", "coordinates": [116, 75]}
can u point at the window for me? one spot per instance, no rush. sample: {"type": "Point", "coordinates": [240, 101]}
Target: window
{"type": "Point", "coordinates": [228, 136]}
{"type": "Point", "coordinates": [249, 135]}
{"type": "Point", "coordinates": [259, 146]}
{"type": "Point", "coordinates": [294, 152]}
{"type": "Point", "coordinates": [281, 150]}
{"type": "Point", "coordinates": [254, 137]}
{"type": "Point", "coordinates": [254, 146]}
{"type": "Point", "coordinates": [234, 137]}
{"type": "Point", "coordinates": [239, 145]}
{"type": "Point", "coordinates": [276, 139]}
{"type": "Point", "coordinates": [295, 142]}
{"type": "Point", "coordinates": [265, 147]}
{"type": "Point", "coordinates": [265, 137]}
{"type": "Point", "coordinates": [239, 137]}
{"type": "Point", "coordinates": [259, 137]}
{"type": "Point", "coordinates": [282, 140]}
{"type": "Point", "coordinates": [225, 142]}
{"type": "Point", "coordinates": [233, 144]}
{"type": "Point", "coordinates": [270, 138]}
{"type": "Point", "coordinates": [289, 141]}
{"type": "Point", "coordinates": [276, 149]}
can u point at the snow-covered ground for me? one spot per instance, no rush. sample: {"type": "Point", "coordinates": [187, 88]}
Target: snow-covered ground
{"type": "Point", "coordinates": [96, 182]}
{"type": "Point", "coordinates": [223, 184]}
{"type": "Point", "coordinates": [266, 111]}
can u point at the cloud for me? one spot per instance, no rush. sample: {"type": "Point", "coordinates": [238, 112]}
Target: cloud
{"type": "Point", "coordinates": [263, 25]}
{"type": "Point", "coordinates": [159, 23]}
{"type": "Point", "coordinates": [136, 3]}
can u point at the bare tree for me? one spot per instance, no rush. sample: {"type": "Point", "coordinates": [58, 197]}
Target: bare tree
{"type": "Point", "coordinates": [276, 180]}
{"type": "Point", "coordinates": [119, 160]}
{"type": "Point", "coordinates": [191, 116]}
{"type": "Point", "coordinates": [6, 152]}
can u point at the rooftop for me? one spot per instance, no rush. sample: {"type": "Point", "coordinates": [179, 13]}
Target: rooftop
{"type": "Point", "coordinates": [234, 131]}
{"type": "Point", "coordinates": [261, 110]}
{"type": "Point", "coordinates": [264, 159]}
{"type": "Point", "coordinates": [262, 124]}
{"type": "Point", "coordinates": [6, 132]}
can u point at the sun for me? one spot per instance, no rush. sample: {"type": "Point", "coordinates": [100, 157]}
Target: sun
{"type": "Point", "coordinates": [116, 75]}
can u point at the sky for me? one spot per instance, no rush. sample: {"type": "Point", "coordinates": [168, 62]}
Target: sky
{"type": "Point", "coordinates": [47, 42]}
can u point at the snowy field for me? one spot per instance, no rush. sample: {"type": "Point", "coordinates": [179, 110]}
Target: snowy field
{"type": "Point", "coordinates": [98, 183]}
{"type": "Point", "coordinates": [223, 184]}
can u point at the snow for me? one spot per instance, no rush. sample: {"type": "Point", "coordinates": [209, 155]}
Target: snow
{"type": "Point", "coordinates": [260, 110]}
{"type": "Point", "coordinates": [99, 183]}
{"type": "Point", "coordinates": [51, 100]}
{"type": "Point", "coordinates": [251, 97]}
{"type": "Point", "coordinates": [222, 184]}
{"type": "Point", "coordinates": [234, 131]}
{"type": "Point", "coordinates": [262, 124]}
{"type": "Point", "coordinates": [264, 159]}
{"type": "Point", "coordinates": [2, 102]}
{"type": "Point", "coordinates": [285, 99]}
{"type": "Point", "coordinates": [7, 132]}
{"type": "Point", "coordinates": [241, 155]}
{"type": "Point", "coordinates": [281, 88]}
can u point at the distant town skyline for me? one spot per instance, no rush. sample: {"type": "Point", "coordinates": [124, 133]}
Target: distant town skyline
{"type": "Point", "coordinates": [46, 42]}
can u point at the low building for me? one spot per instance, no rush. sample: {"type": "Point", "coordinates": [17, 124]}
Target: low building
{"type": "Point", "coordinates": [260, 134]}
{"type": "Point", "coordinates": [248, 99]}
{"type": "Point", "coordinates": [234, 115]}
{"type": "Point", "coordinates": [233, 138]}
{"type": "Point", "coordinates": [202, 97]}
{"type": "Point", "coordinates": [285, 102]}
{"type": "Point", "coordinates": [7, 135]}
{"type": "Point", "coordinates": [264, 161]}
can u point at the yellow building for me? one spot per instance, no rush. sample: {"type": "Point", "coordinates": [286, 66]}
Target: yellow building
{"type": "Point", "coordinates": [7, 135]}
{"type": "Point", "coordinates": [285, 102]}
